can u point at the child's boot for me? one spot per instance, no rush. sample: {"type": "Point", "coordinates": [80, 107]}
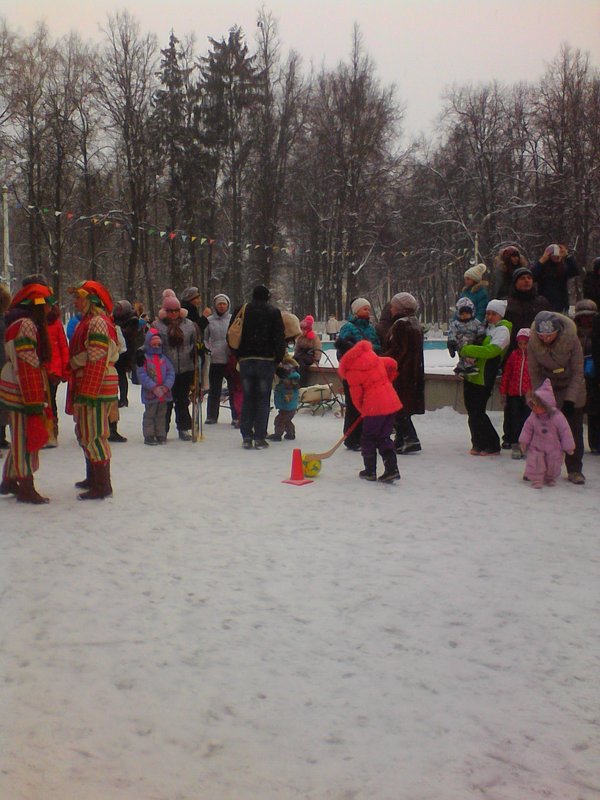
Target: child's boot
{"type": "Point", "coordinates": [516, 452]}
{"type": "Point", "coordinates": [390, 463]}
{"type": "Point", "coordinates": [369, 472]}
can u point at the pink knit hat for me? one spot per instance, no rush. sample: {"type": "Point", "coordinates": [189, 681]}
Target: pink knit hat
{"type": "Point", "coordinates": [306, 326]}
{"type": "Point", "coordinates": [170, 303]}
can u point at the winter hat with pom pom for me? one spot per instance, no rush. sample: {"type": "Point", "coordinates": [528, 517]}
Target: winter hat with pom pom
{"type": "Point", "coordinates": [476, 273]}
{"type": "Point", "coordinates": [307, 326]}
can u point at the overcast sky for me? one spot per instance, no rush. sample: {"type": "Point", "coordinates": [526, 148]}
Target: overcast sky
{"type": "Point", "coordinates": [422, 46]}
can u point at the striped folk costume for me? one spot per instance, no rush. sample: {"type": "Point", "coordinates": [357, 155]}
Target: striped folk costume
{"type": "Point", "coordinates": [25, 391]}
{"type": "Point", "coordinates": [93, 384]}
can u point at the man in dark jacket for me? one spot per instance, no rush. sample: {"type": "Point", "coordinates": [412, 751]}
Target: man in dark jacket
{"type": "Point", "coordinates": [262, 347]}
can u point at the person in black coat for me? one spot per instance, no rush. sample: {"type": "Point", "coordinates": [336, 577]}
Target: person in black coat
{"type": "Point", "coordinates": [524, 302]}
{"type": "Point", "coordinates": [262, 347]}
{"type": "Point", "coordinates": [591, 283]}
{"type": "Point", "coordinates": [552, 272]}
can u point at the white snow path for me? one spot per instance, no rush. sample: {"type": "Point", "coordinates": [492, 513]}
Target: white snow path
{"type": "Point", "coordinates": [211, 633]}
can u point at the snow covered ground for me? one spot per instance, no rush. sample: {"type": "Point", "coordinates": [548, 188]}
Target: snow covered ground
{"type": "Point", "coordinates": [212, 633]}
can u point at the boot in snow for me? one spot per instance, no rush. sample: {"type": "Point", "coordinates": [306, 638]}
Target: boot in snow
{"type": "Point", "coordinates": [26, 492]}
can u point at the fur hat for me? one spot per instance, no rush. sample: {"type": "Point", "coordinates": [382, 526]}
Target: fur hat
{"type": "Point", "coordinates": [498, 306]}
{"type": "Point", "coordinates": [523, 333]}
{"type": "Point", "coordinates": [405, 302]}
{"type": "Point", "coordinates": [476, 273]}
{"type": "Point", "coordinates": [509, 252]}
{"type": "Point", "coordinates": [465, 304]}
{"type": "Point", "coordinates": [291, 325]}
{"type": "Point", "coordinates": [584, 307]}
{"type": "Point", "coordinates": [547, 322]}
{"type": "Point", "coordinates": [359, 303]}
{"type": "Point", "coordinates": [189, 294]}
{"type": "Point", "coordinates": [519, 272]}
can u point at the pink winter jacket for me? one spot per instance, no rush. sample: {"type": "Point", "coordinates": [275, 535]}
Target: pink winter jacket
{"type": "Point", "coordinates": [370, 379]}
{"type": "Point", "coordinates": [547, 433]}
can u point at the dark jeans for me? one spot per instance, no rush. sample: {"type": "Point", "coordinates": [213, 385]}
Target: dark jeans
{"type": "Point", "coordinates": [181, 401]}
{"type": "Point", "coordinates": [516, 412]}
{"type": "Point", "coordinates": [216, 373]}
{"type": "Point", "coordinates": [123, 382]}
{"type": "Point", "coordinates": [257, 381]}
{"type": "Point", "coordinates": [574, 463]}
{"type": "Point", "coordinates": [350, 416]}
{"type": "Point", "coordinates": [483, 433]}
{"type": "Point", "coordinates": [405, 430]}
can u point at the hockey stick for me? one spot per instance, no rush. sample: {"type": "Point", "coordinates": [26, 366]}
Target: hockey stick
{"type": "Point", "coordinates": [331, 451]}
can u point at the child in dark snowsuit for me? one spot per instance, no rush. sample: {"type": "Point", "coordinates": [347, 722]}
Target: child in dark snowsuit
{"type": "Point", "coordinates": [546, 437]}
{"type": "Point", "coordinates": [156, 376]}
{"type": "Point", "coordinates": [369, 378]}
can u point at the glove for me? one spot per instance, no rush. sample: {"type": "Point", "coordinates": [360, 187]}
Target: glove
{"type": "Point", "coordinates": [452, 349]}
{"type": "Point", "coordinates": [568, 408]}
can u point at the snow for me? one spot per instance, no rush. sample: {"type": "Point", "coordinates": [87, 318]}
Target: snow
{"type": "Point", "coordinates": [211, 632]}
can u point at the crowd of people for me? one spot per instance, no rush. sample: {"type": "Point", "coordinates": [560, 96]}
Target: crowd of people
{"type": "Point", "coordinates": [549, 365]}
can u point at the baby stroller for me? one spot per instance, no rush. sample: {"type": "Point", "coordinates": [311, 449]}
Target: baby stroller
{"type": "Point", "coordinates": [321, 396]}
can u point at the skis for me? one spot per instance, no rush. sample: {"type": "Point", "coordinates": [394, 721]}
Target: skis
{"type": "Point", "coordinates": [196, 398]}
{"type": "Point", "coordinates": [340, 441]}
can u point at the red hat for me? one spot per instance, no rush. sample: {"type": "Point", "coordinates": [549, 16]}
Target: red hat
{"type": "Point", "coordinates": [33, 294]}
{"type": "Point", "coordinates": [96, 292]}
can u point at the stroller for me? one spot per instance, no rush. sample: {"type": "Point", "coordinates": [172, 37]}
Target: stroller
{"type": "Point", "coordinates": [321, 396]}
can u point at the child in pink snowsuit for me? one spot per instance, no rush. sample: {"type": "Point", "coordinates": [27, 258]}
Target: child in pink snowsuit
{"type": "Point", "coordinates": [546, 437]}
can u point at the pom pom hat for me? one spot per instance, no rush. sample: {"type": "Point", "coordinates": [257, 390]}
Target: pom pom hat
{"type": "Point", "coordinates": [476, 273]}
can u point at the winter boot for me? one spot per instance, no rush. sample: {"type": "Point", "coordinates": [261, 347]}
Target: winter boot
{"type": "Point", "coordinates": [26, 492]}
{"type": "Point", "coordinates": [369, 473]}
{"type": "Point", "coordinates": [9, 486]}
{"type": "Point", "coordinates": [87, 481]}
{"type": "Point", "coordinates": [115, 436]}
{"type": "Point", "coordinates": [100, 487]}
{"type": "Point", "coordinates": [390, 463]}
{"type": "Point", "coordinates": [516, 452]}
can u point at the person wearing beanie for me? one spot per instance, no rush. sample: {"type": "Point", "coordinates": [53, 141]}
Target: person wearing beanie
{"type": "Point", "coordinates": [591, 283]}
{"type": "Point", "coordinates": [552, 272]}
{"type": "Point", "coordinates": [215, 339]}
{"type": "Point", "coordinates": [93, 385]}
{"type": "Point", "coordinates": [587, 322]}
{"type": "Point", "coordinates": [545, 438]}
{"type": "Point", "coordinates": [554, 352]}
{"type": "Point", "coordinates": [156, 375]}
{"type": "Point", "coordinates": [475, 288]}
{"type": "Point", "coordinates": [24, 389]}
{"type": "Point", "coordinates": [262, 347]}
{"type": "Point", "coordinates": [307, 350]}
{"type": "Point", "coordinates": [179, 337]}
{"type": "Point", "coordinates": [478, 386]}
{"type": "Point", "coordinates": [404, 343]}
{"type": "Point", "coordinates": [514, 386]}
{"type": "Point", "coordinates": [523, 302]}
{"type": "Point", "coordinates": [506, 262]}
{"type": "Point", "coordinates": [463, 329]}
{"type": "Point", "coordinates": [357, 328]}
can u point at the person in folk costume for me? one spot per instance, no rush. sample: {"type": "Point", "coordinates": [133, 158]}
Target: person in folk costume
{"type": "Point", "coordinates": [93, 384]}
{"type": "Point", "coordinates": [24, 390]}
{"type": "Point", "coordinates": [5, 299]}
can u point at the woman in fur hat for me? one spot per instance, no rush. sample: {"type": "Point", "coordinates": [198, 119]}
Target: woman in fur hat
{"type": "Point", "coordinates": [475, 289]}
{"type": "Point", "coordinates": [179, 340]}
{"type": "Point", "coordinates": [24, 390]}
{"type": "Point", "coordinates": [506, 262]}
{"type": "Point", "coordinates": [554, 352]}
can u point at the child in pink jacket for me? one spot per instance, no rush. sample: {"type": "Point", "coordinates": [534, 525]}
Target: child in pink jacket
{"type": "Point", "coordinates": [546, 437]}
{"type": "Point", "coordinates": [369, 378]}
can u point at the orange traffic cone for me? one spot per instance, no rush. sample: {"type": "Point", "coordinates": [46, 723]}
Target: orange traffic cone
{"type": "Point", "coordinates": [297, 475]}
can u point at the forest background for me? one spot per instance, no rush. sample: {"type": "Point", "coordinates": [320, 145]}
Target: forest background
{"type": "Point", "coordinates": [148, 166]}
